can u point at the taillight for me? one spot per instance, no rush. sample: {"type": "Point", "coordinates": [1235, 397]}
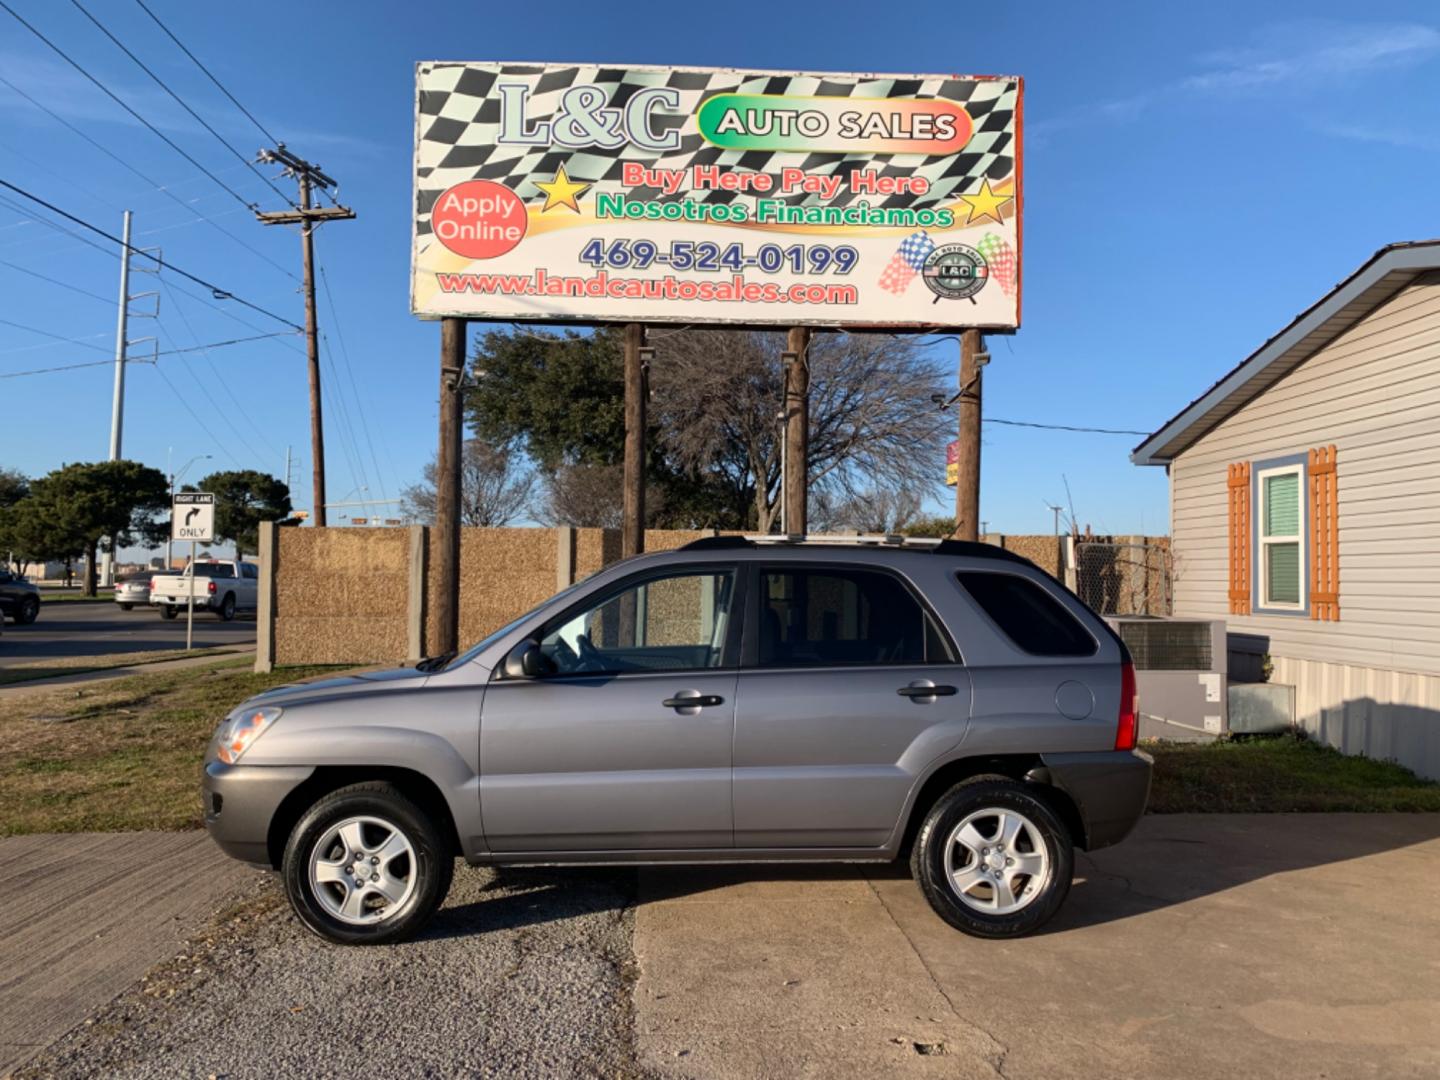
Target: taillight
{"type": "Point", "coordinates": [210, 588]}
{"type": "Point", "coordinates": [152, 584]}
{"type": "Point", "coordinates": [1127, 726]}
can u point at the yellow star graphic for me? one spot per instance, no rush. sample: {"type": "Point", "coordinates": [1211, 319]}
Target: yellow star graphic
{"type": "Point", "coordinates": [560, 191]}
{"type": "Point", "coordinates": [984, 203]}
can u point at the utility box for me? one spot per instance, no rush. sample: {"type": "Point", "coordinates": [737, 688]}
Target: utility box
{"type": "Point", "coordinates": [1261, 708]}
{"type": "Point", "coordinates": [1180, 675]}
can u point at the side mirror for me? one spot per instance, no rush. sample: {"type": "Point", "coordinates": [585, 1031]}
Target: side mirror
{"type": "Point", "coordinates": [526, 661]}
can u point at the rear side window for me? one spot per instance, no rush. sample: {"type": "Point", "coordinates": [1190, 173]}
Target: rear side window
{"type": "Point", "coordinates": [843, 617]}
{"type": "Point", "coordinates": [216, 570]}
{"type": "Point", "coordinates": [1028, 615]}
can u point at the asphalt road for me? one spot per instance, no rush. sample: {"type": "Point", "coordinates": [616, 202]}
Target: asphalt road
{"type": "Point", "coordinates": [70, 629]}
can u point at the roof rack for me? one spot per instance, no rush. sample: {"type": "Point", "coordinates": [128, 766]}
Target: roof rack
{"type": "Point", "coordinates": [968, 548]}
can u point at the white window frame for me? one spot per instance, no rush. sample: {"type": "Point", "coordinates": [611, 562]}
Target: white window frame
{"type": "Point", "coordinates": [1300, 539]}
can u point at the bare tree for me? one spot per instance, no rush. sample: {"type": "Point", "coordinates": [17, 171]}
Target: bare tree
{"type": "Point", "coordinates": [494, 487]}
{"type": "Point", "coordinates": [717, 397]}
{"type": "Point", "coordinates": [590, 496]}
{"type": "Point", "coordinates": [880, 510]}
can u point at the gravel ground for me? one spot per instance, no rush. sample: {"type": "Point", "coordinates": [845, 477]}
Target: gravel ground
{"type": "Point", "coordinates": [523, 973]}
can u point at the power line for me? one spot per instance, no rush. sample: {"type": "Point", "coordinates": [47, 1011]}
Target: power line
{"type": "Point", "coordinates": [202, 67]}
{"type": "Point", "coordinates": [215, 290]}
{"type": "Point", "coordinates": [64, 367]}
{"type": "Point", "coordinates": [180, 101]}
{"type": "Point", "coordinates": [258, 429]}
{"type": "Point", "coordinates": [118, 101]}
{"type": "Point", "coordinates": [187, 407]}
{"type": "Point", "coordinates": [1062, 427]}
{"type": "Point", "coordinates": [57, 337]}
{"type": "Point", "coordinates": [138, 360]}
{"type": "Point", "coordinates": [162, 188]}
{"type": "Point", "coordinates": [215, 405]}
{"type": "Point", "coordinates": [110, 300]}
{"type": "Point", "coordinates": [354, 390]}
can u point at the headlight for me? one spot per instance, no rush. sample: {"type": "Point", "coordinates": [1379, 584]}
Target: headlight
{"type": "Point", "coordinates": [242, 729]}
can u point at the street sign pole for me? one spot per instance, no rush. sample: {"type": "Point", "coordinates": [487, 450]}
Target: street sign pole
{"type": "Point", "coordinates": [190, 607]}
{"type": "Point", "coordinates": [192, 517]}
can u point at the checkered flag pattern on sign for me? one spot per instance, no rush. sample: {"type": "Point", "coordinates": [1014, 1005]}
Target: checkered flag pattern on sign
{"type": "Point", "coordinates": [1001, 258]}
{"type": "Point", "coordinates": [459, 125]}
{"type": "Point", "coordinates": [908, 261]}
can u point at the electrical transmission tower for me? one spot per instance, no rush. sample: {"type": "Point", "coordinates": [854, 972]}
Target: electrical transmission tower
{"type": "Point", "coordinates": [307, 217]}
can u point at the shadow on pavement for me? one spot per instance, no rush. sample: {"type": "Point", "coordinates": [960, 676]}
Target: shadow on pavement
{"type": "Point", "coordinates": [1169, 860]}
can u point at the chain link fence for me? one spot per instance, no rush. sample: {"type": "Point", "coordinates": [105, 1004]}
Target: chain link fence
{"type": "Point", "coordinates": [1124, 578]}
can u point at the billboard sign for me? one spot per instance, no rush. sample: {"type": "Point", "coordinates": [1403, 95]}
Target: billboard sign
{"type": "Point", "coordinates": [587, 193]}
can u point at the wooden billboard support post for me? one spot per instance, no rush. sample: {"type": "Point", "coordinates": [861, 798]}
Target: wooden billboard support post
{"type": "Point", "coordinates": [632, 532]}
{"type": "Point", "coordinates": [797, 430]}
{"type": "Point", "coordinates": [968, 411]}
{"type": "Point", "coordinates": [447, 488]}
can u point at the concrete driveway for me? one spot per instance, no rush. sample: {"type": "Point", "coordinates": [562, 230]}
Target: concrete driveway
{"type": "Point", "coordinates": [1204, 946]}
{"type": "Point", "coordinates": [87, 914]}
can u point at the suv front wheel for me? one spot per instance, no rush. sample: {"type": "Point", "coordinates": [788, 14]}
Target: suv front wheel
{"type": "Point", "coordinates": [366, 866]}
{"type": "Point", "coordinates": [993, 859]}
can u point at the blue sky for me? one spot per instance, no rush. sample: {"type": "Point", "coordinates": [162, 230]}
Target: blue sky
{"type": "Point", "coordinates": [1195, 175]}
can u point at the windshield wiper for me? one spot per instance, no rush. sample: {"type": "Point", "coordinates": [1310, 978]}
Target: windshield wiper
{"type": "Point", "coordinates": [435, 663]}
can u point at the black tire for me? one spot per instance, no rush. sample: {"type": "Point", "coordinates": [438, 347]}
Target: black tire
{"type": "Point", "coordinates": [29, 611]}
{"type": "Point", "coordinates": [127, 607]}
{"type": "Point", "coordinates": [167, 611]}
{"type": "Point", "coordinates": [929, 855]}
{"type": "Point", "coordinates": [433, 867]}
{"type": "Point", "coordinates": [227, 608]}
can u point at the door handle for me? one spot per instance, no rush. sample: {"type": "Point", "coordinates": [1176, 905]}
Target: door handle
{"type": "Point", "coordinates": [926, 691]}
{"type": "Point", "coordinates": [693, 701]}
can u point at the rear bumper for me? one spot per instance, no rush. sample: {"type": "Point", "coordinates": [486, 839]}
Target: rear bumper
{"type": "Point", "coordinates": [1108, 788]}
{"type": "Point", "coordinates": [240, 802]}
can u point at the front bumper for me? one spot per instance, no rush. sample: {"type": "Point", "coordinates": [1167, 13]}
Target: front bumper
{"type": "Point", "coordinates": [240, 802]}
{"type": "Point", "coordinates": [1109, 788]}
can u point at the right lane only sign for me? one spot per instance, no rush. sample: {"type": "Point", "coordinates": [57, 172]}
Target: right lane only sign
{"type": "Point", "coordinates": [192, 516]}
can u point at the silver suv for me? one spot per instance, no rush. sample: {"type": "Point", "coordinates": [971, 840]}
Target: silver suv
{"type": "Point", "coordinates": [736, 700]}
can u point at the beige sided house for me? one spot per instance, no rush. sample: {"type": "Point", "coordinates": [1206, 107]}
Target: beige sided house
{"type": "Point", "coordinates": [1305, 509]}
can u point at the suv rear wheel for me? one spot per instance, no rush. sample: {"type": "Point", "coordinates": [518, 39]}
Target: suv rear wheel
{"type": "Point", "coordinates": [993, 859]}
{"type": "Point", "coordinates": [366, 866]}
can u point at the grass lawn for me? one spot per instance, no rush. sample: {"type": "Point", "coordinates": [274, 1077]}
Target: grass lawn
{"type": "Point", "coordinates": [70, 596]}
{"type": "Point", "coordinates": [79, 665]}
{"type": "Point", "coordinates": [1279, 775]}
{"type": "Point", "coordinates": [118, 755]}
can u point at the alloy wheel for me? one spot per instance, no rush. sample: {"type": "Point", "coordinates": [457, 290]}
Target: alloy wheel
{"type": "Point", "coordinates": [363, 870]}
{"type": "Point", "coordinates": [996, 861]}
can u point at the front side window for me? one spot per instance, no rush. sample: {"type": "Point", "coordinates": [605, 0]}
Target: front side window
{"type": "Point", "coordinates": [842, 617]}
{"type": "Point", "coordinates": [673, 623]}
{"type": "Point", "coordinates": [1281, 561]}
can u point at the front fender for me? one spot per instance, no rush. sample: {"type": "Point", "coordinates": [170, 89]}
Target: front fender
{"type": "Point", "coordinates": [356, 746]}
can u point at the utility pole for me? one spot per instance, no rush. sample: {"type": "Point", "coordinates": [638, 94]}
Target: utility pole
{"type": "Point", "coordinates": [968, 411]}
{"type": "Point", "coordinates": [797, 431]}
{"type": "Point", "coordinates": [287, 466]}
{"type": "Point", "coordinates": [446, 550]}
{"type": "Point", "coordinates": [117, 405]}
{"type": "Point", "coordinates": [637, 362]}
{"type": "Point", "coordinates": [307, 217]}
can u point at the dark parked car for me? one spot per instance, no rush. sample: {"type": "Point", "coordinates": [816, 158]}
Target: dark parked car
{"type": "Point", "coordinates": [732, 701]}
{"type": "Point", "coordinates": [19, 599]}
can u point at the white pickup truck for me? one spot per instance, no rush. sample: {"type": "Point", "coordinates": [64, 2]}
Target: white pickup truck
{"type": "Point", "coordinates": [223, 586]}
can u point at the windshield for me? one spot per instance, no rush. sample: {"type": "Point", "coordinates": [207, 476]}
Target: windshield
{"type": "Point", "coordinates": [490, 639]}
